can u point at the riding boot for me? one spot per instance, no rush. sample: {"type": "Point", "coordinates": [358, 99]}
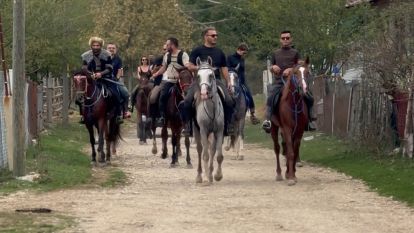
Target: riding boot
{"type": "Point", "coordinates": [311, 124]}
{"type": "Point", "coordinates": [253, 117]}
{"type": "Point", "coordinates": [228, 124]}
{"type": "Point", "coordinates": [185, 114]}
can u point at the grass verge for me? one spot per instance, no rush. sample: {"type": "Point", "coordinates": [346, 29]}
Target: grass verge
{"type": "Point", "coordinates": [24, 222]}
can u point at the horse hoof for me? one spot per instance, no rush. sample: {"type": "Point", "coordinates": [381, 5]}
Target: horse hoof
{"type": "Point", "coordinates": [154, 151]}
{"type": "Point", "coordinates": [164, 155]}
{"type": "Point", "coordinates": [210, 179]}
{"type": "Point", "coordinates": [173, 165]}
{"type": "Point", "coordinates": [241, 157]}
{"type": "Point", "coordinates": [108, 162]}
{"type": "Point", "coordinates": [279, 178]}
{"type": "Point", "coordinates": [291, 182]}
{"type": "Point", "coordinates": [179, 153]}
{"type": "Point", "coordinates": [199, 179]}
{"type": "Point", "coordinates": [226, 148]}
{"type": "Point", "coordinates": [299, 164]}
{"type": "Point", "coordinates": [141, 142]}
{"type": "Point", "coordinates": [218, 177]}
{"type": "Point", "coordinates": [189, 166]}
{"type": "Point", "coordinates": [94, 163]}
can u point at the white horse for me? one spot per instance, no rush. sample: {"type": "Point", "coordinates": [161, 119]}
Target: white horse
{"type": "Point", "coordinates": [208, 131]}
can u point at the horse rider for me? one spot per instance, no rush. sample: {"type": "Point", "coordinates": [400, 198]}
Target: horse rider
{"type": "Point", "coordinates": [97, 63]}
{"type": "Point", "coordinates": [208, 49]}
{"type": "Point", "coordinates": [174, 60]}
{"type": "Point", "coordinates": [117, 73]}
{"type": "Point", "coordinates": [237, 61]}
{"type": "Point", "coordinates": [156, 65]}
{"type": "Point", "coordinates": [143, 71]}
{"type": "Point", "coordinates": [283, 61]}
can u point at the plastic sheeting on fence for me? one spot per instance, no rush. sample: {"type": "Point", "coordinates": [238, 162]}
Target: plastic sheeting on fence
{"type": "Point", "coordinates": [3, 144]}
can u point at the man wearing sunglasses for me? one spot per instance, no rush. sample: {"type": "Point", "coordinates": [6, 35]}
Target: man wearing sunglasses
{"type": "Point", "coordinates": [208, 49]}
{"type": "Point", "coordinates": [283, 61]}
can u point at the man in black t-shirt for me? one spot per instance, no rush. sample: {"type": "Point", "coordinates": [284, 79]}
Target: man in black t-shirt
{"type": "Point", "coordinates": [283, 61]}
{"type": "Point", "coordinates": [208, 49]}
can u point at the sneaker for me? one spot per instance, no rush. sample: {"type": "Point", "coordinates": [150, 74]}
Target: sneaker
{"type": "Point", "coordinates": [127, 114]}
{"type": "Point", "coordinates": [119, 120]}
{"type": "Point", "coordinates": [254, 120]}
{"type": "Point", "coordinates": [160, 122]}
{"type": "Point", "coordinates": [311, 126]}
{"type": "Point", "coordinates": [186, 132]}
{"type": "Point", "coordinates": [266, 126]}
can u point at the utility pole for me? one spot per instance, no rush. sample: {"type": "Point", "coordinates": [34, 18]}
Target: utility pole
{"type": "Point", "coordinates": [19, 87]}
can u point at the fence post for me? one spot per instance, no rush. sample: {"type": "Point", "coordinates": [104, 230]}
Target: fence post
{"type": "Point", "coordinates": [49, 97]}
{"type": "Point", "coordinates": [65, 106]}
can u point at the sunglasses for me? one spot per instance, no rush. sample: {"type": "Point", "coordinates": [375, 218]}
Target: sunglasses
{"type": "Point", "coordinates": [285, 38]}
{"type": "Point", "coordinates": [144, 60]}
{"type": "Point", "coordinates": [213, 35]}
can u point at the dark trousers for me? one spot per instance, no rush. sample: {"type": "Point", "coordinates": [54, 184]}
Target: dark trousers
{"type": "Point", "coordinates": [123, 91]}
{"type": "Point", "coordinates": [186, 108]}
{"type": "Point", "coordinates": [273, 92]}
{"type": "Point", "coordinates": [249, 97]}
{"type": "Point", "coordinates": [164, 93]}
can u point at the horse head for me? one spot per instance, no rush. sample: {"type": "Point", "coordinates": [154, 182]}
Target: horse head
{"type": "Point", "coordinates": [300, 74]}
{"type": "Point", "coordinates": [206, 78]}
{"type": "Point", "coordinates": [185, 79]}
{"type": "Point", "coordinates": [234, 82]}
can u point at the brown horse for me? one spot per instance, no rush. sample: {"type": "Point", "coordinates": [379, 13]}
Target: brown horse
{"type": "Point", "coordinates": [141, 105]}
{"type": "Point", "coordinates": [173, 121]}
{"type": "Point", "coordinates": [98, 111]}
{"type": "Point", "coordinates": [291, 117]}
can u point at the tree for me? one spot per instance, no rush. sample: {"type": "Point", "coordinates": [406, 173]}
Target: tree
{"type": "Point", "coordinates": [141, 27]}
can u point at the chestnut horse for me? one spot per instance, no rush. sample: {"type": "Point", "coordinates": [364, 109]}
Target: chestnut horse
{"type": "Point", "coordinates": [142, 107]}
{"type": "Point", "coordinates": [291, 116]}
{"type": "Point", "coordinates": [98, 111]}
{"type": "Point", "coordinates": [173, 120]}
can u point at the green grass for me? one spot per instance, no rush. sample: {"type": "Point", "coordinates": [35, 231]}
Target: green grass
{"type": "Point", "coordinates": [59, 158]}
{"type": "Point", "coordinates": [388, 175]}
{"type": "Point", "coordinates": [26, 222]}
{"type": "Point", "coordinates": [116, 177]}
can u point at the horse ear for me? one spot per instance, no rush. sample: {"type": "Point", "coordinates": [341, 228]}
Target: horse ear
{"type": "Point", "coordinates": [237, 67]}
{"type": "Point", "coordinates": [210, 60]}
{"type": "Point", "coordinates": [198, 61]}
{"type": "Point", "coordinates": [307, 60]}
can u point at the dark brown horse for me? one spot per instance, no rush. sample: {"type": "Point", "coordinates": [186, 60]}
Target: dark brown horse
{"type": "Point", "coordinates": [98, 111]}
{"type": "Point", "coordinates": [291, 117]}
{"type": "Point", "coordinates": [141, 105]}
{"type": "Point", "coordinates": [173, 121]}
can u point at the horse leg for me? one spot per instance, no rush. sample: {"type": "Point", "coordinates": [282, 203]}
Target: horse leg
{"type": "Point", "coordinates": [108, 145]}
{"type": "Point", "coordinates": [290, 158]}
{"type": "Point", "coordinates": [197, 140]}
{"type": "Point", "coordinates": [296, 146]}
{"type": "Point", "coordinates": [219, 174]}
{"type": "Point", "coordinates": [213, 149]}
{"type": "Point", "coordinates": [227, 147]}
{"type": "Point", "coordinates": [92, 141]}
{"type": "Point", "coordinates": [187, 149]}
{"type": "Point", "coordinates": [276, 148]}
{"type": "Point", "coordinates": [205, 152]}
{"type": "Point", "coordinates": [164, 136]}
{"type": "Point", "coordinates": [102, 125]}
{"type": "Point", "coordinates": [174, 139]}
{"type": "Point", "coordinates": [154, 138]}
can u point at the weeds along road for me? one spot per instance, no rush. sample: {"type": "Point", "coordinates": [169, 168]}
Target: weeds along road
{"type": "Point", "coordinates": [248, 199]}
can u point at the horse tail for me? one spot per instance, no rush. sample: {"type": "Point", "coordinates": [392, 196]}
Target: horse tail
{"type": "Point", "coordinates": [114, 134]}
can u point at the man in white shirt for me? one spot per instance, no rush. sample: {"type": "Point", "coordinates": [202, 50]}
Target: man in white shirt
{"type": "Point", "coordinates": [175, 59]}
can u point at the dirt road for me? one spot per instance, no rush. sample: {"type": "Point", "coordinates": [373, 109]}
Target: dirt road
{"type": "Point", "coordinates": [248, 199]}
